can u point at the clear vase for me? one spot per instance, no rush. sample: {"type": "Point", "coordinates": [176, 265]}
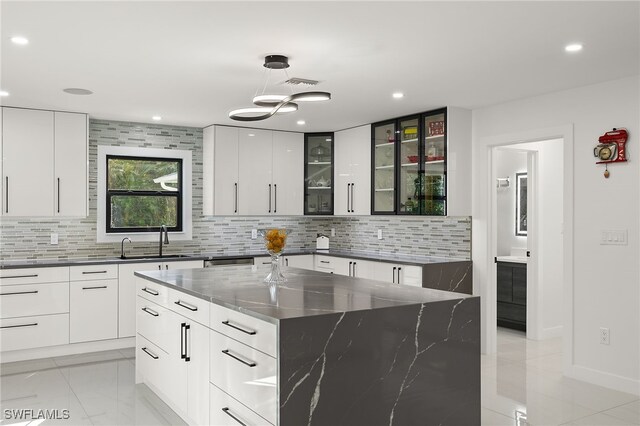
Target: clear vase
{"type": "Point", "coordinates": [275, 276]}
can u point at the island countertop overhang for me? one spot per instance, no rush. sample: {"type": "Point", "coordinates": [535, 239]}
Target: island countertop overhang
{"type": "Point", "coordinates": [306, 293]}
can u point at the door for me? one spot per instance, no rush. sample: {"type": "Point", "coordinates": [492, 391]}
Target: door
{"type": "Point", "coordinates": [342, 173]}
{"type": "Point", "coordinates": [184, 264]}
{"type": "Point", "coordinates": [409, 176]}
{"type": "Point", "coordinates": [288, 173]}
{"type": "Point", "coordinates": [27, 144]}
{"type": "Point", "coordinates": [434, 149]}
{"type": "Point", "coordinates": [70, 164]}
{"type": "Point", "coordinates": [255, 188]}
{"type": "Point", "coordinates": [93, 310]}
{"type": "Point", "coordinates": [383, 148]}
{"type": "Point", "coordinates": [225, 173]}
{"type": "Point", "coordinates": [197, 342]}
{"type": "Point", "coordinates": [127, 295]}
{"type": "Point", "coordinates": [352, 176]}
{"type": "Point", "coordinates": [318, 179]}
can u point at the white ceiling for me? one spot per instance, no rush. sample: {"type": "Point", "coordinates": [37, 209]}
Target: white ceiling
{"type": "Point", "coordinates": [192, 62]}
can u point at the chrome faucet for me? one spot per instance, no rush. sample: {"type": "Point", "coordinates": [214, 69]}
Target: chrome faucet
{"type": "Point", "coordinates": [122, 256]}
{"type": "Point", "coordinates": [163, 228]}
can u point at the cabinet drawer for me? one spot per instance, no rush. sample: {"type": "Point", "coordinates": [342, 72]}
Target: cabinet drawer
{"type": "Point", "coordinates": [34, 332]}
{"type": "Point", "coordinates": [93, 272]}
{"type": "Point", "coordinates": [151, 291]}
{"type": "Point", "coordinates": [33, 275]}
{"type": "Point", "coordinates": [244, 373]}
{"type": "Point", "coordinates": [520, 285]}
{"type": "Point", "coordinates": [251, 331]}
{"type": "Point", "coordinates": [158, 325]}
{"type": "Point", "coordinates": [34, 299]}
{"type": "Point", "coordinates": [189, 306]}
{"type": "Point", "coordinates": [512, 312]}
{"type": "Point", "coordinates": [227, 411]}
{"type": "Point", "coordinates": [93, 310]}
{"type": "Point", "coordinates": [325, 262]}
{"type": "Point", "coordinates": [410, 275]}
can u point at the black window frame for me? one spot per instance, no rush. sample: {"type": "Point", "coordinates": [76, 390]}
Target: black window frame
{"type": "Point", "coordinates": [115, 192]}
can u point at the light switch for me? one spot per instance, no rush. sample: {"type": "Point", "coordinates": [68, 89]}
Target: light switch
{"type": "Point", "coordinates": [54, 239]}
{"type": "Point", "coordinates": [379, 234]}
{"type": "Point", "coordinates": [254, 234]}
{"type": "Point", "coordinates": [617, 237]}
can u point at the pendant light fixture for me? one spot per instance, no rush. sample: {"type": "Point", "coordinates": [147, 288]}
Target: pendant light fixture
{"type": "Point", "coordinates": [269, 104]}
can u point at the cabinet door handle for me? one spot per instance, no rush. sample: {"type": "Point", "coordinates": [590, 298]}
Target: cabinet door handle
{"type": "Point", "coordinates": [269, 198]}
{"type": "Point", "coordinates": [151, 354]}
{"type": "Point", "coordinates": [275, 197]}
{"type": "Point", "coordinates": [94, 288]}
{"type": "Point", "coordinates": [183, 354]}
{"type": "Point", "coordinates": [399, 269]}
{"type": "Point", "coordinates": [266, 263]}
{"type": "Point", "coordinates": [93, 272]}
{"type": "Point", "coordinates": [248, 331]}
{"type": "Point", "coordinates": [353, 210]}
{"type": "Point", "coordinates": [350, 264]}
{"type": "Point", "coordinates": [394, 274]}
{"type": "Point", "coordinates": [286, 262]}
{"type": "Point", "coordinates": [58, 195]}
{"type": "Point", "coordinates": [150, 291]}
{"type": "Point", "coordinates": [20, 325]}
{"type": "Point", "coordinates": [21, 276]}
{"type": "Point", "coordinates": [186, 305]}
{"type": "Point", "coordinates": [19, 292]}
{"type": "Point", "coordinates": [6, 196]}
{"type": "Point", "coordinates": [150, 311]}
{"type": "Point", "coordinates": [354, 269]}
{"type": "Point", "coordinates": [166, 267]}
{"type": "Point", "coordinates": [236, 199]}
{"type": "Point", "coordinates": [348, 198]}
{"type": "Point", "coordinates": [228, 413]}
{"type": "Point", "coordinates": [248, 364]}
{"type": "Point", "coordinates": [325, 261]}
{"type": "Point", "coordinates": [187, 332]}
{"type": "Point", "coordinates": [159, 267]}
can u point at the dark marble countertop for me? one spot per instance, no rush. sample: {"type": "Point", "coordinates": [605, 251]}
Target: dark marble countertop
{"type": "Point", "coordinates": [306, 293]}
{"type": "Point", "coordinates": [374, 256]}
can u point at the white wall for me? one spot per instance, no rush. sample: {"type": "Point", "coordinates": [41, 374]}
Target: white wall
{"type": "Point", "coordinates": [508, 163]}
{"type": "Point", "coordinates": [604, 291]}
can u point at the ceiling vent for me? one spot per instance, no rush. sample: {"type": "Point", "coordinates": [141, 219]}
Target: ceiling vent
{"type": "Point", "coordinates": [295, 81]}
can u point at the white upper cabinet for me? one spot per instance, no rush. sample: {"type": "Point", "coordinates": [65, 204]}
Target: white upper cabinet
{"type": "Point", "coordinates": [352, 174]}
{"type": "Point", "coordinates": [252, 172]}
{"type": "Point", "coordinates": [288, 173]}
{"type": "Point", "coordinates": [44, 163]}
{"type": "Point", "coordinates": [70, 164]}
{"type": "Point", "coordinates": [255, 186]}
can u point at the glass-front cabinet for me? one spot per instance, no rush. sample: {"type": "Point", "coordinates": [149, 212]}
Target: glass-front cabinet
{"type": "Point", "coordinates": [318, 173]}
{"type": "Point", "coordinates": [409, 162]}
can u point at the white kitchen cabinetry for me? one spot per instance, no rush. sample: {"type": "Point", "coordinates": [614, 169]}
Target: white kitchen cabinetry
{"type": "Point", "coordinates": [127, 289]}
{"type": "Point", "coordinates": [44, 163]}
{"type": "Point", "coordinates": [252, 172]}
{"type": "Point", "coordinates": [332, 264]}
{"type": "Point", "coordinates": [398, 273]}
{"type": "Point", "coordinates": [352, 173]}
{"type": "Point", "coordinates": [93, 303]}
{"type": "Point", "coordinates": [227, 411]}
{"type": "Point", "coordinates": [303, 261]}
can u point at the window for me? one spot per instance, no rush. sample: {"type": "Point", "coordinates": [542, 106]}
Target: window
{"type": "Point", "coordinates": [140, 189]}
{"type": "Point", "coordinates": [143, 193]}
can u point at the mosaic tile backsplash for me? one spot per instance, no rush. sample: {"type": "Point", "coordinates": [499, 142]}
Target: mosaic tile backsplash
{"type": "Point", "coordinates": [29, 238]}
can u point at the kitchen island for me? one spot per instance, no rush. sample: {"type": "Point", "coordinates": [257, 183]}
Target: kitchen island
{"type": "Point", "coordinates": [221, 347]}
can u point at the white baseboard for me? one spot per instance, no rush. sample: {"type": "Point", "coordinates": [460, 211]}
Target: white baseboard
{"type": "Point", "coordinates": [608, 380]}
{"type": "Point", "coordinates": [71, 349]}
{"type": "Point", "coordinates": [551, 332]}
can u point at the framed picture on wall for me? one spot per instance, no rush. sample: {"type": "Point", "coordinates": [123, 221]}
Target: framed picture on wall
{"type": "Point", "coordinates": [521, 204]}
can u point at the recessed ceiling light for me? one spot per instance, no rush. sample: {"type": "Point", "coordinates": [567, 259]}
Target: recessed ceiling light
{"type": "Point", "coordinates": [20, 40]}
{"type": "Point", "coordinates": [252, 134]}
{"type": "Point", "coordinates": [156, 118]}
{"type": "Point", "coordinates": [398, 95]}
{"type": "Point", "coordinates": [77, 91]}
{"type": "Point", "coordinates": [575, 47]}
{"type": "Point", "coordinates": [4, 93]}
{"type": "Point", "coordinates": [301, 122]}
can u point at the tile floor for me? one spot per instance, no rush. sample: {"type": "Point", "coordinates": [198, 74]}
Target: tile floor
{"type": "Point", "coordinates": [522, 384]}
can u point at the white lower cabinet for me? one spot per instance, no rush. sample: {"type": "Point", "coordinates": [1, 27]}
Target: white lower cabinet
{"type": "Point", "coordinates": [302, 261]}
{"type": "Point", "coordinates": [227, 411]}
{"type": "Point", "coordinates": [34, 332]}
{"type": "Point", "coordinates": [398, 273]}
{"type": "Point", "coordinates": [34, 299]}
{"type": "Point", "coordinates": [93, 310]}
{"type": "Point", "coordinates": [197, 342]}
{"type": "Point", "coordinates": [244, 373]}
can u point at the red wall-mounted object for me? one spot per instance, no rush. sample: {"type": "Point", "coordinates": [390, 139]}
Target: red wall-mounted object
{"type": "Point", "coordinates": [615, 141]}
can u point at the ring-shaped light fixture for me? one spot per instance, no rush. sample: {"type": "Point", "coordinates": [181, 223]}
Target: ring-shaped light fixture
{"type": "Point", "coordinates": [241, 114]}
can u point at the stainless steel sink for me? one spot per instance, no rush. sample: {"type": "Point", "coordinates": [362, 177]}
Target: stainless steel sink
{"type": "Point", "coordinates": [151, 257]}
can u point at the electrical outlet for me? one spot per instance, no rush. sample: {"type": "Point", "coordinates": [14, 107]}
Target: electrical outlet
{"type": "Point", "coordinates": [616, 237]}
{"type": "Point", "coordinates": [54, 239]}
{"type": "Point", "coordinates": [379, 234]}
{"type": "Point", "coordinates": [333, 232]}
{"type": "Point", "coordinates": [254, 234]}
{"type": "Point", "coordinates": [604, 336]}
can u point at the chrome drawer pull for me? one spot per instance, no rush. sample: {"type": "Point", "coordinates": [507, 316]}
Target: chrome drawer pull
{"type": "Point", "coordinates": [325, 261]}
{"type": "Point", "coordinates": [186, 305]}
{"type": "Point", "coordinates": [228, 413]}
{"type": "Point", "coordinates": [20, 325]}
{"type": "Point", "coordinates": [252, 332]}
{"type": "Point", "coordinates": [19, 292]}
{"type": "Point", "coordinates": [150, 311]}
{"type": "Point", "coordinates": [249, 364]}
{"type": "Point", "coordinates": [21, 276]}
{"type": "Point", "coordinates": [94, 288]}
{"type": "Point", "coordinates": [93, 272]}
{"type": "Point", "coordinates": [150, 291]}
{"type": "Point", "coordinates": [151, 354]}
